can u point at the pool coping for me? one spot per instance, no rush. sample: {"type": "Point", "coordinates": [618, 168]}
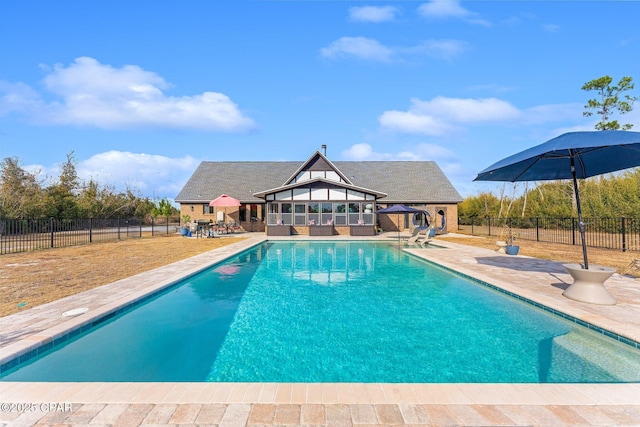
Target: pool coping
{"type": "Point", "coordinates": [327, 393]}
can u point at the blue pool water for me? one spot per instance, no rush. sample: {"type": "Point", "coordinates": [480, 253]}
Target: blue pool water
{"type": "Point", "coordinates": [334, 312]}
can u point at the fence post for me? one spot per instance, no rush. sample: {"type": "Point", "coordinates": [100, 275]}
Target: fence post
{"type": "Point", "coordinates": [51, 228]}
{"type": "Point", "coordinates": [90, 230]}
{"type": "Point", "coordinates": [140, 228]}
{"type": "Point", "coordinates": [489, 225]}
{"type": "Point", "coordinates": [573, 231]}
{"type": "Point", "coordinates": [152, 226]}
{"type": "Point", "coordinates": [167, 225]}
{"type": "Point", "coordinates": [472, 232]}
{"type": "Point", "coordinates": [624, 234]}
{"type": "Point", "coordinates": [537, 229]}
{"type": "Point", "coordinates": [118, 228]}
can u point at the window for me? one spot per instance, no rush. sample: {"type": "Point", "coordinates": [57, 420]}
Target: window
{"type": "Point", "coordinates": [313, 209]}
{"type": "Point", "coordinates": [367, 214]}
{"type": "Point", "coordinates": [319, 193]}
{"type": "Point", "coordinates": [286, 213]}
{"type": "Point", "coordinates": [272, 215]}
{"type": "Point", "coordinates": [340, 210]}
{"type": "Point", "coordinates": [300, 210]}
{"type": "Point", "coordinates": [337, 194]}
{"type": "Point", "coordinates": [301, 193]}
{"type": "Point", "coordinates": [327, 213]}
{"type": "Point", "coordinates": [354, 213]}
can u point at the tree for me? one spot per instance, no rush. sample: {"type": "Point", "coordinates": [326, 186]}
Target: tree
{"type": "Point", "coordinates": [609, 101]}
{"type": "Point", "coordinates": [21, 195]}
{"type": "Point", "coordinates": [63, 194]}
{"type": "Point", "coordinates": [480, 206]}
{"type": "Point", "coordinates": [163, 208]}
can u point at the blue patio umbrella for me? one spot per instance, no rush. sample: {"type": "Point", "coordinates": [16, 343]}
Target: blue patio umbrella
{"type": "Point", "coordinates": [401, 209]}
{"type": "Point", "coordinates": [573, 155]}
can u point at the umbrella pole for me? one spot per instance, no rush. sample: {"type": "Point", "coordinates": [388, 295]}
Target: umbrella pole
{"type": "Point", "coordinates": [580, 223]}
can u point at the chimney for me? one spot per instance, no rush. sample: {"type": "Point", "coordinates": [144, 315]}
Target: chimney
{"type": "Point", "coordinates": [324, 149]}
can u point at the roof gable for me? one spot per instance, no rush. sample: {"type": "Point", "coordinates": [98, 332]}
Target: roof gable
{"type": "Point", "coordinates": [317, 166]}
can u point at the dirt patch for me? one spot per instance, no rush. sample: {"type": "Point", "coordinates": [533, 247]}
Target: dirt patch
{"type": "Point", "coordinates": [39, 277]}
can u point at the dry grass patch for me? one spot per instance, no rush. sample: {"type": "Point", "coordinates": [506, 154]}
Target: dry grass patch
{"type": "Point", "coordinates": [39, 277]}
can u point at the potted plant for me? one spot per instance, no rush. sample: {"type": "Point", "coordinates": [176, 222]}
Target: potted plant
{"type": "Point", "coordinates": [184, 230]}
{"type": "Point", "coordinates": [511, 249]}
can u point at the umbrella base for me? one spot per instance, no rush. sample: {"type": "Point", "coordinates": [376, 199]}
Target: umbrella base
{"type": "Point", "coordinates": [588, 285]}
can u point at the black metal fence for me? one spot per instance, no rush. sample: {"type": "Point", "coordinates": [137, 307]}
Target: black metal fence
{"type": "Point", "coordinates": [20, 235]}
{"type": "Point", "coordinates": [610, 233]}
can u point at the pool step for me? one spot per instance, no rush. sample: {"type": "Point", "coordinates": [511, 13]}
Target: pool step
{"type": "Point", "coordinates": [616, 361]}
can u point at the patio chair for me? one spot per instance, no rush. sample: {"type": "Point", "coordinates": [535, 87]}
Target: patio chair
{"type": "Point", "coordinates": [234, 227]}
{"type": "Point", "coordinates": [221, 227]}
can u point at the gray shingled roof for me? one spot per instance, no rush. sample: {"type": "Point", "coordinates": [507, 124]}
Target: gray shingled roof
{"type": "Point", "coordinates": [404, 182]}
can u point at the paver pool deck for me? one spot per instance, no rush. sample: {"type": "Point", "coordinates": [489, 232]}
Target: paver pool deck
{"type": "Point", "coordinates": [340, 404]}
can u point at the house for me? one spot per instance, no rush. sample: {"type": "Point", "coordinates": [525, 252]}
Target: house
{"type": "Point", "coordinates": [298, 197]}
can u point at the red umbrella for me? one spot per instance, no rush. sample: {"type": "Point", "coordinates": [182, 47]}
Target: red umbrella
{"type": "Point", "coordinates": [224, 201]}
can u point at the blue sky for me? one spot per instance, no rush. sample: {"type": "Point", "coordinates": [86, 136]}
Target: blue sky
{"type": "Point", "coordinates": [143, 91]}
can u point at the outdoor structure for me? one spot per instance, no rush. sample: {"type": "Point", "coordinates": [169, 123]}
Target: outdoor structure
{"type": "Point", "coordinates": [320, 197]}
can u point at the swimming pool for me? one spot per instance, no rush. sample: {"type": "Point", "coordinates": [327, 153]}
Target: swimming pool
{"type": "Point", "coordinates": [333, 312]}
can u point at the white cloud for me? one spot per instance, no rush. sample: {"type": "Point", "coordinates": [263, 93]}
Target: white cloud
{"type": "Point", "coordinates": [363, 151]}
{"type": "Point", "coordinates": [148, 173]}
{"type": "Point", "coordinates": [443, 9]}
{"type": "Point", "coordinates": [467, 110]}
{"type": "Point", "coordinates": [89, 93]}
{"type": "Point", "coordinates": [17, 97]}
{"type": "Point", "coordinates": [421, 151]}
{"type": "Point", "coordinates": [413, 122]}
{"type": "Point", "coordinates": [372, 13]}
{"type": "Point", "coordinates": [445, 158]}
{"type": "Point", "coordinates": [372, 50]}
{"type": "Point", "coordinates": [357, 47]}
{"type": "Point", "coordinates": [443, 49]}
{"type": "Point", "coordinates": [441, 115]}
